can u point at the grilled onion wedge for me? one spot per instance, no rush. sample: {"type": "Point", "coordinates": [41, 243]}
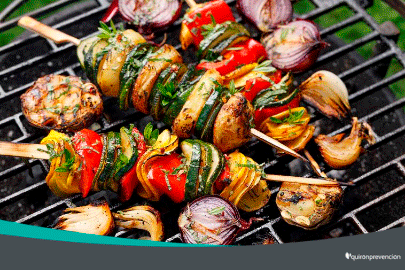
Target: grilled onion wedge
{"type": "Point", "coordinates": [141, 217]}
{"type": "Point", "coordinates": [95, 218]}
{"type": "Point", "coordinates": [63, 103]}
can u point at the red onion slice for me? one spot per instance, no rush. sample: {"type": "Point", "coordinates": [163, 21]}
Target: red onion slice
{"type": "Point", "coordinates": [294, 47]}
{"type": "Point", "coordinates": [211, 220]}
{"type": "Point", "coordinates": [150, 15]}
{"type": "Point", "coordinates": [266, 14]}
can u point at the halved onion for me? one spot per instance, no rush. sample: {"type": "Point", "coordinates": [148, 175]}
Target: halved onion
{"type": "Point", "coordinates": [295, 46]}
{"type": "Point", "coordinates": [211, 220]}
{"type": "Point", "coordinates": [340, 153]}
{"type": "Point", "coordinates": [149, 16]}
{"type": "Point", "coordinates": [266, 14]}
{"type": "Point", "coordinates": [326, 92]}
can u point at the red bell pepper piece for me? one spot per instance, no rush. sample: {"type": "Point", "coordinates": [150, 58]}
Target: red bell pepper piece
{"type": "Point", "coordinates": [255, 85]}
{"type": "Point", "coordinates": [263, 114]}
{"type": "Point", "coordinates": [202, 16]}
{"type": "Point", "coordinates": [251, 52]}
{"type": "Point", "coordinates": [224, 179]}
{"type": "Point", "coordinates": [165, 179]}
{"type": "Point", "coordinates": [130, 180]}
{"type": "Point", "coordinates": [89, 146]}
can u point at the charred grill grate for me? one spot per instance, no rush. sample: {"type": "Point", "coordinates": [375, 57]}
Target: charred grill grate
{"type": "Point", "coordinates": [375, 204]}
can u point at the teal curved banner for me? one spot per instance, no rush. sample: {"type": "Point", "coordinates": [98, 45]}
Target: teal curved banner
{"type": "Point", "coordinates": [30, 231]}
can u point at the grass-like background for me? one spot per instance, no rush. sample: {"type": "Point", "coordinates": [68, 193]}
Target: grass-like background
{"type": "Point", "coordinates": [380, 11]}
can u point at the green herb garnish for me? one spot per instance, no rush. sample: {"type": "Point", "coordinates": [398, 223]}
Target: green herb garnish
{"type": "Point", "coordinates": [150, 134]}
{"type": "Point", "coordinates": [267, 98]}
{"type": "Point", "coordinates": [106, 33]}
{"type": "Point", "coordinates": [266, 67]}
{"type": "Point", "coordinates": [293, 118]}
{"type": "Point", "coordinates": [168, 92]}
{"type": "Point", "coordinates": [232, 88]}
{"type": "Point", "coordinates": [216, 211]}
{"type": "Point", "coordinates": [69, 161]}
{"type": "Point", "coordinates": [207, 28]}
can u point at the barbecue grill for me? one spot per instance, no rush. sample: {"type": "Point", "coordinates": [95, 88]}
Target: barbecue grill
{"type": "Point", "coordinates": [376, 203]}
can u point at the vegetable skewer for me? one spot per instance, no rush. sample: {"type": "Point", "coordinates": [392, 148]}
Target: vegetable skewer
{"type": "Point", "coordinates": [39, 151]}
{"type": "Point", "coordinates": [40, 28]}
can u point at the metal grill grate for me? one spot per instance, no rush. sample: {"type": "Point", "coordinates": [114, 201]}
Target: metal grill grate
{"type": "Point", "coordinates": [376, 203]}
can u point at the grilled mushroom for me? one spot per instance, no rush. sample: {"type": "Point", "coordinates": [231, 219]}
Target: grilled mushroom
{"type": "Point", "coordinates": [62, 103]}
{"type": "Point", "coordinates": [308, 206]}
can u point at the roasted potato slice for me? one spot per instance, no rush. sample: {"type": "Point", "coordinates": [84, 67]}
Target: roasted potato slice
{"type": "Point", "coordinates": [108, 76]}
{"type": "Point", "coordinates": [150, 72]}
{"type": "Point", "coordinates": [62, 103]}
{"type": "Point", "coordinates": [232, 125]}
{"type": "Point", "coordinates": [308, 206]}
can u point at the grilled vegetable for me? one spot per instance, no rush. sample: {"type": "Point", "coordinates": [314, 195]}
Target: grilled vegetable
{"type": "Point", "coordinates": [168, 175]}
{"type": "Point", "coordinates": [61, 103]}
{"type": "Point", "coordinates": [256, 198]}
{"type": "Point", "coordinates": [95, 218]}
{"type": "Point", "coordinates": [245, 52]}
{"type": "Point", "coordinates": [308, 206]}
{"type": "Point", "coordinates": [135, 61]}
{"type": "Point", "coordinates": [185, 122]}
{"type": "Point", "coordinates": [150, 72]}
{"type": "Point", "coordinates": [199, 20]}
{"type": "Point", "coordinates": [143, 218]}
{"type": "Point", "coordinates": [193, 154]}
{"type": "Point", "coordinates": [233, 123]}
{"type": "Point", "coordinates": [89, 146]}
{"type": "Point", "coordinates": [211, 220]}
{"type": "Point", "coordinates": [339, 152]}
{"type": "Point", "coordinates": [220, 38]}
{"type": "Point", "coordinates": [286, 126]}
{"type": "Point", "coordinates": [108, 76]}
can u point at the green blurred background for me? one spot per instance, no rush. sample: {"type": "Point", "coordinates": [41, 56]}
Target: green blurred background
{"type": "Point", "coordinates": [380, 11]}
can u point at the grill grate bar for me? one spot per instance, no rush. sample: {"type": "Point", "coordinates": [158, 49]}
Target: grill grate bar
{"type": "Point", "coordinates": [400, 221]}
{"type": "Point", "coordinates": [336, 27]}
{"type": "Point", "coordinates": [38, 12]}
{"type": "Point", "coordinates": [349, 47]}
{"type": "Point", "coordinates": [366, 65]}
{"type": "Point", "coordinates": [373, 202]}
{"type": "Point", "coordinates": [46, 211]}
{"type": "Point", "coordinates": [380, 84]}
{"type": "Point", "coordinates": [21, 193]}
{"type": "Point", "coordinates": [358, 223]}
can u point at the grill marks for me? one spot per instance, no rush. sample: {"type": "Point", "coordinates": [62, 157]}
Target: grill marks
{"type": "Point", "coordinates": [61, 103]}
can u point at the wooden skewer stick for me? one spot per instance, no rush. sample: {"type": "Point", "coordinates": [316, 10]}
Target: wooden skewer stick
{"type": "Point", "coordinates": [27, 150]}
{"type": "Point", "coordinates": [191, 3]}
{"type": "Point", "coordinates": [304, 180]}
{"type": "Point", "coordinates": [47, 31]}
{"type": "Point", "coordinates": [276, 144]}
